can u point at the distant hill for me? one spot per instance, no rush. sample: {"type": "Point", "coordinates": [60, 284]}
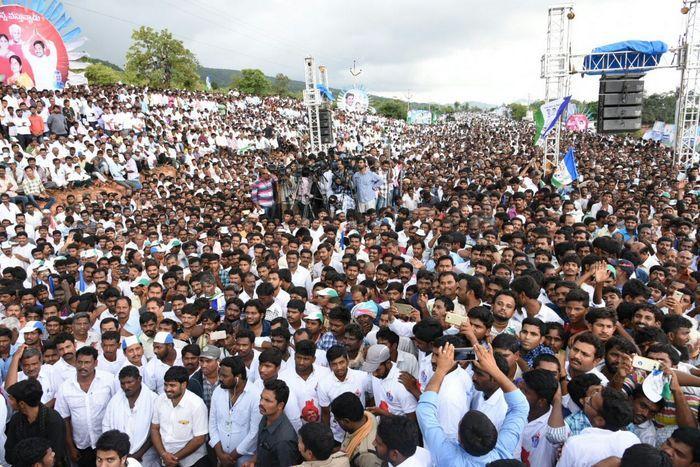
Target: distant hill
{"type": "Point", "coordinates": [223, 77]}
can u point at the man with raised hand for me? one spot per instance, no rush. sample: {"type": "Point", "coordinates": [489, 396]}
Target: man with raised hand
{"type": "Point", "coordinates": [479, 441]}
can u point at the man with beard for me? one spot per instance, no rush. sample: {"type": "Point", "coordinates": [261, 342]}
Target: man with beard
{"type": "Point", "coordinates": [503, 309]}
{"type": "Point", "coordinates": [166, 356]}
{"type": "Point", "coordinates": [64, 368]}
{"type": "Point", "coordinates": [148, 324]}
{"type": "Point", "coordinates": [131, 411]}
{"type": "Point", "coordinates": [677, 329]}
{"type": "Point", "coordinates": [390, 395]}
{"type": "Point", "coordinates": [82, 401]}
{"type": "Point", "coordinates": [269, 363]}
{"type": "Point", "coordinates": [618, 352]}
{"type": "Point", "coordinates": [277, 439]}
{"type": "Point", "coordinates": [233, 414]}
{"type": "Point", "coordinates": [179, 427]}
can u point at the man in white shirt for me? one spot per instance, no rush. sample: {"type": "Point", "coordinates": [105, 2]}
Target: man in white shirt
{"type": "Point", "coordinates": [397, 443]}
{"type": "Point", "coordinates": [82, 401]}
{"type": "Point", "coordinates": [539, 387]}
{"type": "Point", "coordinates": [527, 292]}
{"type": "Point", "coordinates": [488, 398]}
{"type": "Point", "coordinates": [611, 409]}
{"type": "Point", "coordinates": [390, 395]}
{"type": "Point", "coordinates": [304, 377]}
{"type": "Point", "coordinates": [342, 379]}
{"type": "Point", "coordinates": [233, 414]}
{"type": "Point", "coordinates": [131, 411]}
{"type": "Point", "coordinates": [166, 356]}
{"type": "Point", "coordinates": [32, 368]}
{"type": "Point", "coordinates": [179, 428]}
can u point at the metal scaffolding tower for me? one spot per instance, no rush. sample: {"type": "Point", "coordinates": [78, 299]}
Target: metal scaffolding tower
{"type": "Point", "coordinates": [555, 71]}
{"type": "Point", "coordinates": [313, 101]}
{"type": "Point", "coordinates": [688, 118]}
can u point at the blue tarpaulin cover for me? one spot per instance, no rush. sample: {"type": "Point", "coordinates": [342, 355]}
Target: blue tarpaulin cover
{"type": "Point", "coordinates": [647, 54]}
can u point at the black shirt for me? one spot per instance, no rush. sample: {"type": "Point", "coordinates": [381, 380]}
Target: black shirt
{"type": "Point", "coordinates": [277, 444]}
{"type": "Point", "coordinates": [48, 425]}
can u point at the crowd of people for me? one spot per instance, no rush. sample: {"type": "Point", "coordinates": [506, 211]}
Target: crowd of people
{"type": "Point", "coordinates": [414, 296]}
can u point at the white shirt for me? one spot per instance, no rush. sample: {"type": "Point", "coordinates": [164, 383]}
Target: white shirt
{"type": "Point", "coordinates": [536, 449]}
{"type": "Point", "coordinates": [85, 409]}
{"type": "Point", "coordinates": [420, 458]}
{"type": "Point", "coordinates": [136, 421]}
{"type": "Point", "coordinates": [306, 389]}
{"type": "Point", "coordinates": [252, 372]}
{"type": "Point", "coordinates": [63, 371]}
{"type": "Point", "coordinates": [301, 278]}
{"type": "Point", "coordinates": [495, 407]}
{"type": "Point", "coordinates": [291, 408]}
{"type": "Point", "coordinates": [407, 362]}
{"type": "Point", "coordinates": [235, 427]}
{"type": "Point", "coordinates": [577, 450]}
{"type": "Point", "coordinates": [356, 381]}
{"type": "Point", "coordinates": [390, 392]}
{"type": "Point", "coordinates": [111, 367]}
{"type": "Point", "coordinates": [453, 401]}
{"type": "Point", "coordinates": [545, 314]}
{"type": "Point", "coordinates": [179, 424]}
{"type": "Point", "coordinates": [48, 381]}
{"type": "Point", "coordinates": [155, 371]}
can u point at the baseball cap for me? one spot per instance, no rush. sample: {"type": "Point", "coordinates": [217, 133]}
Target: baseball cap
{"type": "Point", "coordinates": [376, 355]}
{"type": "Point", "coordinates": [365, 308]}
{"type": "Point", "coordinates": [163, 337]}
{"type": "Point", "coordinates": [32, 326]}
{"type": "Point", "coordinates": [211, 352]}
{"type": "Point", "coordinates": [328, 292]}
{"type": "Point", "coordinates": [313, 312]}
{"type": "Point", "coordinates": [129, 341]}
{"type": "Point", "coordinates": [141, 281]}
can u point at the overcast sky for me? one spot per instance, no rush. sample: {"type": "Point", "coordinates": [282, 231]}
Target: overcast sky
{"type": "Point", "coordinates": [440, 50]}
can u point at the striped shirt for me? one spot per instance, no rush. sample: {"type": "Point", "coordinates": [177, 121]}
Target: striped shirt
{"type": "Point", "coordinates": [261, 193]}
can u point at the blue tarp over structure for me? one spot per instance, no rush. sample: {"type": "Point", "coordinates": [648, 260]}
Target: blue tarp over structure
{"type": "Point", "coordinates": [624, 55]}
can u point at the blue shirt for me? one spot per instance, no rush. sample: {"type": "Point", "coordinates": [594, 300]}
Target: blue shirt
{"type": "Point", "coordinates": [366, 185]}
{"type": "Point", "coordinates": [449, 453]}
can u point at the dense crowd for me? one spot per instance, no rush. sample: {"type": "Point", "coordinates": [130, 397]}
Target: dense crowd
{"type": "Point", "coordinates": [185, 283]}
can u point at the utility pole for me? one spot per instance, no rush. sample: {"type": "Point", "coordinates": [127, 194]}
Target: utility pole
{"type": "Point", "coordinates": [408, 96]}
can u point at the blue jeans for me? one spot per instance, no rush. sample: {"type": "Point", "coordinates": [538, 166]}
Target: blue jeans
{"type": "Point", "coordinates": [20, 199]}
{"type": "Point", "coordinates": [31, 199]}
{"type": "Point", "coordinates": [269, 211]}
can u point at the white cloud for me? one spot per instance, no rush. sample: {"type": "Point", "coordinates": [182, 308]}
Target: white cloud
{"type": "Point", "coordinates": [442, 51]}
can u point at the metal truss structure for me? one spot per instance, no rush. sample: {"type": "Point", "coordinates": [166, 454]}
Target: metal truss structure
{"type": "Point", "coordinates": [558, 64]}
{"type": "Point", "coordinates": [688, 116]}
{"type": "Point", "coordinates": [555, 71]}
{"type": "Point", "coordinates": [313, 101]}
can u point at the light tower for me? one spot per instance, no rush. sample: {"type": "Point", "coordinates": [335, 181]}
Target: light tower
{"type": "Point", "coordinates": [689, 98]}
{"type": "Point", "coordinates": [555, 71]}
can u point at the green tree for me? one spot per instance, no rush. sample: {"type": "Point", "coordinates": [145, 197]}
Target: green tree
{"type": "Point", "coordinates": [280, 85]}
{"type": "Point", "coordinates": [157, 59]}
{"type": "Point", "coordinates": [392, 108]}
{"type": "Point", "coordinates": [97, 73]}
{"type": "Point", "coordinates": [517, 111]}
{"type": "Point", "coordinates": [252, 81]}
{"type": "Point", "coordinates": [659, 107]}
